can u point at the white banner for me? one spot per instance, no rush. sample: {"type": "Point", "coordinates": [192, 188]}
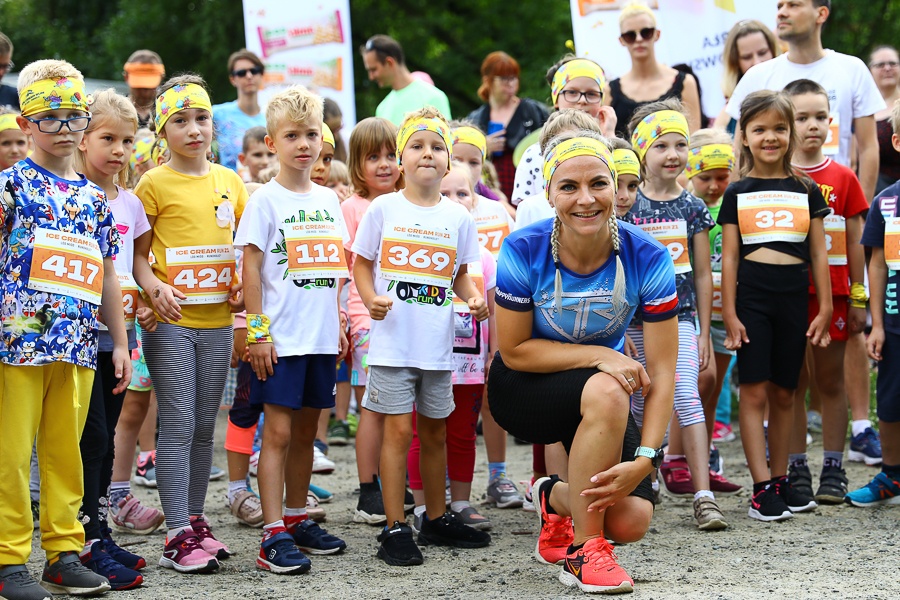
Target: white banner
{"type": "Point", "coordinates": [692, 32]}
{"type": "Point", "coordinates": [307, 44]}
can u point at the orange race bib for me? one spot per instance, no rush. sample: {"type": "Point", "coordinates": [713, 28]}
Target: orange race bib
{"type": "Point", "coordinates": [491, 235]}
{"type": "Point", "coordinates": [833, 139]}
{"type": "Point", "coordinates": [315, 250]}
{"type": "Point", "coordinates": [130, 294]}
{"type": "Point", "coordinates": [836, 240]}
{"type": "Point", "coordinates": [418, 255]}
{"type": "Point", "coordinates": [66, 263]}
{"type": "Point", "coordinates": [773, 217]}
{"type": "Point", "coordinates": [202, 273]}
{"type": "Point", "coordinates": [717, 297]}
{"type": "Point", "coordinates": [672, 235]}
{"type": "Point", "coordinates": [892, 243]}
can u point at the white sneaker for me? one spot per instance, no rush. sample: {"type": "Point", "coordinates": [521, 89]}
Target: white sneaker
{"type": "Point", "coordinates": [321, 463]}
{"type": "Point", "coordinates": [254, 463]}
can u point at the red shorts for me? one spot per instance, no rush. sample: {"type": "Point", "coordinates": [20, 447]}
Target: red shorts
{"type": "Point", "coordinates": [840, 329]}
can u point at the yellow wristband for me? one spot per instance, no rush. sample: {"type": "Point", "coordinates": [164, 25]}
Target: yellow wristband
{"type": "Point", "coordinates": [858, 295]}
{"type": "Point", "coordinates": [258, 329]}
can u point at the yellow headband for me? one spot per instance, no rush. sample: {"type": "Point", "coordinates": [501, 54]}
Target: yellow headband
{"type": "Point", "coordinates": [53, 94]}
{"type": "Point", "coordinates": [178, 98]}
{"type": "Point", "coordinates": [471, 136]}
{"type": "Point", "coordinates": [327, 136]}
{"type": "Point", "coordinates": [576, 147]}
{"type": "Point", "coordinates": [627, 162]}
{"type": "Point", "coordinates": [411, 126]}
{"type": "Point", "coordinates": [8, 121]}
{"type": "Point", "coordinates": [580, 67]}
{"type": "Point", "coordinates": [708, 157]}
{"type": "Point", "coordinates": [143, 150]}
{"type": "Point", "coordinates": [158, 151]}
{"type": "Point", "coordinates": [655, 125]}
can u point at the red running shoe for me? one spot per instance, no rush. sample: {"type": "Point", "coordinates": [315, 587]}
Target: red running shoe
{"type": "Point", "coordinates": [676, 480]}
{"type": "Point", "coordinates": [593, 568]}
{"type": "Point", "coordinates": [556, 532]}
{"type": "Point", "coordinates": [719, 485]}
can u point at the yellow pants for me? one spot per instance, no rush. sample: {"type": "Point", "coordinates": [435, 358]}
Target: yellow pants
{"type": "Point", "coordinates": [50, 403]}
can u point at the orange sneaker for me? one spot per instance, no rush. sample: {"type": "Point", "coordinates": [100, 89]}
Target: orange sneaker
{"type": "Point", "coordinates": [555, 531]}
{"type": "Point", "coordinates": [593, 568]}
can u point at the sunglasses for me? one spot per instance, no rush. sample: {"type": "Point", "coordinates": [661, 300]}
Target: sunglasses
{"type": "Point", "coordinates": [630, 37]}
{"type": "Point", "coordinates": [243, 72]}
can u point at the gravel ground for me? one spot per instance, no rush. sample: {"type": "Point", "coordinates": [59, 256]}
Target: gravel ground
{"type": "Point", "coordinates": [837, 551]}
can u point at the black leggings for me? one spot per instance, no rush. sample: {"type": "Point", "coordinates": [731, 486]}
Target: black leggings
{"type": "Point", "coordinates": [98, 445]}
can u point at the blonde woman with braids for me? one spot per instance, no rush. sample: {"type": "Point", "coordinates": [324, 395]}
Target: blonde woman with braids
{"type": "Point", "coordinates": [567, 288]}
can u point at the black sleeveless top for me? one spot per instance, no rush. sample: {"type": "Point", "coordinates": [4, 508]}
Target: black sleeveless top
{"type": "Point", "coordinates": [625, 106]}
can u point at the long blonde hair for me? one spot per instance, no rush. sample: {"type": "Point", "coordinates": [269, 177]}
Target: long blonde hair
{"type": "Point", "coordinates": [107, 105]}
{"type": "Point", "coordinates": [731, 56]}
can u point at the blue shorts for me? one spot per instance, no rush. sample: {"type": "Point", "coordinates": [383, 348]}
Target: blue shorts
{"type": "Point", "coordinates": [887, 389]}
{"type": "Point", "coordinates": [298, 382]}
{"type": "Point", "coordinates": [343, 371]}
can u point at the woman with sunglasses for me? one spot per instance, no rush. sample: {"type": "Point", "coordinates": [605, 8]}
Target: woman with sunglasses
{"type": "Point", "coordinates": [884, 63]}
{"type": "Point", "coordinates": [648, 80]}
{"type": "Point", "coordinates": [233, 119]}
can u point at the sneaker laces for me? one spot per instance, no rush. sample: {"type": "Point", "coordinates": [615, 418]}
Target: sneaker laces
{"type": "Point", "coordinates": [105, 563]}
{"type": "Point", "coordinates": [559, 530]}
{"type": "Point", "coordinates": [20, 578]}
{"type": "Point", "coordinates": [600, 554]}
{"type": "Point", "coordinates": [713, 476]}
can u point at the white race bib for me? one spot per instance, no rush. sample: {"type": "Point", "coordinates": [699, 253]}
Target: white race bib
{"type": "Point", "coordinates": [315, 250]}
{"type": "Point", "coordinates": [66, 263]}
{"type": "Point", "coordinates": [202, 273]}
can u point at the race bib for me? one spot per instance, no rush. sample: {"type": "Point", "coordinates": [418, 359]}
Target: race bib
{"type": "Point", "coordinates": [672, 235]}
{"type": "Point", "coordinates": [717, 297]}
{"type": "Point", "coordinates": [130, 294]}
{"type": "Point", "coordinates": [892, 242]}
{"type": "Point", "coordinates": [773, 217]}
{"type": "Point", "coordinates": [315, 250]}
{"type": "Point", "coordinates": [418, 255]}
{"type": "Point", "coordinates": [202, 273]}
{"type": "Point", "coordinates": [836, 240]}
{"type": "Point", "coordinates": [833, 140]}
{"type": "Point", "coordinates": [491, 236]}
{"type": "Point", "coordinates": [66, 263]}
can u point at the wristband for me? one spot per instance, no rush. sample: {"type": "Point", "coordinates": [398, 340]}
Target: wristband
{"type": "Point", "coordinates": [258, 329]}
{"type": "Point", "coordinates": [858, 297]}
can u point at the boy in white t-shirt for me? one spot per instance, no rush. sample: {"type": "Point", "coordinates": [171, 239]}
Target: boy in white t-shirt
{"type": "Point", "coordinates": [413, 246]}
{"type": "Point", "coordinates": [293, 235]}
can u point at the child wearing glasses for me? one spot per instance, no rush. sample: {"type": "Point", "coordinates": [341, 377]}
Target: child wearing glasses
{"type": "Point", "coordinates": [648, 80]}
{"type": "Point", "coordinates": [57, 246]}
{"type": "Point", "coordinates": [233, 119]}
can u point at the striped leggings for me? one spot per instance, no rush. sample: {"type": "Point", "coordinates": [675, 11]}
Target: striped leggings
{"type": "Point", "coordinates": [188, 368]}
{"type": "Point", "coordinates": [687, 370]}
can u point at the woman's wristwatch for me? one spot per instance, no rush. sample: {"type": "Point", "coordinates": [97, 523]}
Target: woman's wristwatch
{"type": "Point", "coordinates": [654, 454]}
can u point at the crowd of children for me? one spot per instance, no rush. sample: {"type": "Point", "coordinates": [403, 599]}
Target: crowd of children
{"type": "Point", "coordinates": [371, 284]}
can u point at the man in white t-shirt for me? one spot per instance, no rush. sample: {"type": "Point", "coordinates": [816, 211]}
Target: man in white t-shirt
{"type": "Point", "coordinates": [852, 92]}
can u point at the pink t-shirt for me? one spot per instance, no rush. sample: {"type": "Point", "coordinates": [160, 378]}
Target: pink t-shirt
{"type": "Point", "coordinates": [132, 223]}
{"type": "Point", "coordinates": [354, 208]}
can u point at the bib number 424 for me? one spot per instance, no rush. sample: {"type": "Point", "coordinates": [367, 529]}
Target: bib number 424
{"type": "Point", "coordinates": [205, 278]}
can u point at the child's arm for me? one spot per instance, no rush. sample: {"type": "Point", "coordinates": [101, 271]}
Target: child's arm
{"type": "Point", "coordinates": [145, 316]}
{"type": "Point", "coordinates": [878, 274]}
{"type": "Point", "coordinates": [856, 260]}
{"type": "Point", "coordinates": [818, 329]}
{"type": "Point", "coordinates": [703, 288]}
{"type": "Point", "coordinates": [114, 317]}
{"type": "Point", "coordinates": [163, 296]}
{"type": "Point", "coordinates": [493, 341]}
{"type": "Point", "coordinates": [343, 344]}
{"type": "Point", "coordinates": [731, 257]}
{"type": "Point", "coordinates": [262, 352]}
{"type": "Point", "coordinates": [465, 290]}
{"type": "Point", "coordinates": [364, 276]}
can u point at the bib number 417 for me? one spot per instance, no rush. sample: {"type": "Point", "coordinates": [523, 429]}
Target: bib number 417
{"type": "Point", "coordinates": [73, 268]}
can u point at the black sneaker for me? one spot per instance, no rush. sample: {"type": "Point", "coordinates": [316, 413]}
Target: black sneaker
{"type": "Point", "coordinates": [370, 506]}
{"type": "Point", "coordinates": [767, 503]}
{"type": "Point", "coordinates": [68, 576]}
{"type": "Point", "coordinates": [409, 503]}
{"type": "Point", "coordinates": [449, 531]}
{"type": "Point", "coordinates": [398, 548]}
{"type": "Point", "coordinates": [797, 493]}
{"type": "Point", "coordinates": [17, 584]}
{"type": "Point", "coordinates": [832, 486]}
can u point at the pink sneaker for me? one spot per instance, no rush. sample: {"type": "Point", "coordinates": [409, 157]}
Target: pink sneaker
{"type": "Point", "coordinates": [676, 480]}
{"type": "Point", "coordinates": [133, 517]}
{"type": "Point", "coordinates": [207, 539]}
{"type": "Point", "coordinates": [555, 534]}
{"type": "Point", "coordinates": [722, 432]}
{"type": "Point", "coordinates": [720, 485]}
{"type": "Point", "coordinates": [185, 554]}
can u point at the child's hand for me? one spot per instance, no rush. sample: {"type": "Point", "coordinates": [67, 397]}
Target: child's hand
{"type": "Point", "coordinates": [479, 308]}
{"type": "Point", "coordinates": [874, 343]}
{"type": "Point", "coordinates": [344, 345]}
{"type": "Point", "coordinates": [165, 300]}
{"type": "Point", "coordinates": [704, 352]}
{"type": "Point", "coordinates": [240, 346]}
{"type": "Point", "coordinates": [630, 349]}
{"type": "Point", "coordinates": [236, 297]}
{"type": "Point", "coordinates": [121, 358]}
{"type": "Point", "coordinates": [818, 331]}
{"type": "Point", "coordinates": [262, 357]}
{"type": "Point", "coordinates": [380, 306]}
{"type": "Point", "coordinates": [857, 319]}
{"type": "Point", "coordinates": [146, 318]}
{"type": "Point", "coordinates": [735, 333]}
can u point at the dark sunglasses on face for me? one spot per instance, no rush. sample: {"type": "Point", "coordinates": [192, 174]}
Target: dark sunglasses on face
{"type": "Point", "coordinates": [243, 72]}
{"type": "Point", "coordinates": [630, 37]}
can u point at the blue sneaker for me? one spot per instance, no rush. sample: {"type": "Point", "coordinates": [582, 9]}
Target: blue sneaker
{"type": "Point", "coordinates": [281, 555]}
{"type": "Point", "coordinates": [120, 555]}
{"type": "Point", "coordinates": [865, 447]}
{"type": "Point", "coordinates": [311, 538]}
{"type": "Point", "coordinates": [321, 494]}
{"type": "Point", "coordinates": [879, 491]}
{"type": "Point", "coordinates": [100, 562]}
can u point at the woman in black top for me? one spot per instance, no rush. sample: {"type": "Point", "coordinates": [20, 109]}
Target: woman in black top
{"type": "Point", "coordinates": [884, 63]}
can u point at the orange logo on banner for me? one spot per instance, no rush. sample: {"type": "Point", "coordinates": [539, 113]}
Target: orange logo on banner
{"type": "Point", "coordinates": [773, 217]}
{"type": "Point", "coordinates": [672, 235]}
{"type": "Point", "coordinates": [892, 243]}
{"type": "Point", "coordinates": [68, 264]}
{"type": "Point", "coordinates": [836, 240]}
{"type": "Point", "coordinates": [315, 250]}
{"type": "Point", "coordinates": [492, 236]}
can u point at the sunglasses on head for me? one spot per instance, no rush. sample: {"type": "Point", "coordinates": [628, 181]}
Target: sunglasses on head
{"type": "Point", "coordinates": [630, 37]}
{"type": "Point", "coordinates": [243, 72]}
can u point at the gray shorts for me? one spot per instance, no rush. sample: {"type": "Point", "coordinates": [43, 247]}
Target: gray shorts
{"type": "Point", "coordinates": [718, 334]}
{"type": "Point", "coordinates": [395, 390]}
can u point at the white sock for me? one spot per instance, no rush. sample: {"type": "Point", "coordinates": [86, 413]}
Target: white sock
{"type": "Point", "coordinates": [276, 525]}
{"type": "Point", "coordinates": [654, 485]}
{"type": "Point", "coordinates": [294, 512]}
{"type": "Point", "coordinates": [458, 505]}
{"type": "Point", "coordinates": [234, 487]}
{"type": "Point", "coordinates": [704, 494]}
{"type": "Point", "coordinates": [87, 547]}
{"type": "Point", "coordinates": [419, 510]}
{"type": "Point", "coordinates": [860, 426]}
{"type": "Point", "coordinates": [174, 533]}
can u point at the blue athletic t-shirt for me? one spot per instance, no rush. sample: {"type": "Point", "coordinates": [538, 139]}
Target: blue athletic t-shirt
{"type": "Point", "coordinates": [525, 279]}
{"type": "Point", "coordinates": [885, 206]}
